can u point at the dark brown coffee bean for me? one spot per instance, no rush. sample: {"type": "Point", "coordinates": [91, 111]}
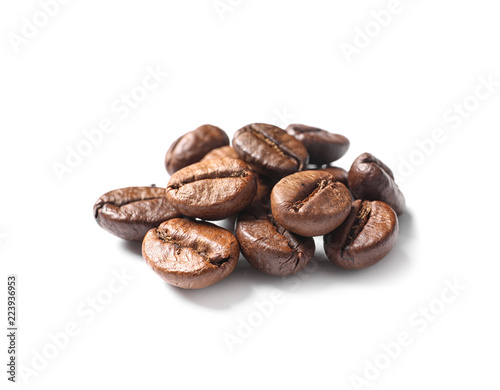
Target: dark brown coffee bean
{"type": "Point", "coordinates": [130, 212]}
{"type": "Point", "coordinates": [370, 179]}
{"type": "Point", "coordinates": [264, 188]}
{"type": "Point", "coordinates": [310, 203]}
{"type": "Point", "coordinates": [190, 254]}
{"type": "Point", "coordinates": [339, 174]}
{"type": "Point", "coordinates": [366, 236]}
{"type": "Point", "coordinates": [212, 189]}
{"type": "Point", "coordinates": [193, 146]}
{"type": "Point", "coordinates": [269, 150]}
{"type": "Point", "coordinates": [224, 151]}
{"type": "Point", "coordinates": [269, 247]}
{"type": "Point", "coordinates": [323, 147]}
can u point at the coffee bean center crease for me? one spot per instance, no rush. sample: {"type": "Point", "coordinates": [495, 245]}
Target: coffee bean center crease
{"type": "Point", "coordinates": [211, 176]}
{"type": "Point", "coordinates": [162, 235]}
{"type": "Point", "coordinates": [359, 223]}
{"type": "Point", "coordinates": [275, 146]}
{"type": "Point", "coordinates": [300, 203]}
{"type": "Point", "coordinates": [121, 204]}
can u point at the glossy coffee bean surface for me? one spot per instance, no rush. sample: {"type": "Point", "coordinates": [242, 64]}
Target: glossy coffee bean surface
{"type": "Point", "coordinates": [264, 188]}
{"type": "Point", "coordinates": [370, 179]}
{"type": "Point", "coordinates": [310, 203]}
{"type": "Point", "coordinates": [339, 174]}
{"type": "Point", "coordinates": [323, 147]}
{"type": "Point", "coordinates": [130, 212]}
{"type": "Point", "coordinates": [269, 247]}
{"type": "Point", "coordinates": [212, 189]}
{"type": "Point", "coordinates": [367, 236]}
{"type": "Point", "coordinates": [269, 150]}
{"type": "Point", "coordinates": [190, 254]}
{"type": "Point", "coordinates": [193, 146]}
{"type": "Point", "coordinates": [223, 151]}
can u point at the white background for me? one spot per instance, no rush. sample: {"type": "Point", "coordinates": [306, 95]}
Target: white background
{"type": "Point", "coordinates": [261, 61]}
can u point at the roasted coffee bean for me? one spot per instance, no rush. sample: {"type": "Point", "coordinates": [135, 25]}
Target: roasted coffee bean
{"type": "Point", "coordinates": [370, 179]}
{"type": "Point", "coordinates": [193, 146]}
{"type": "Point", "coordinates": [269, 247]}
{"type": "Point", "coordinates": [224, 151]}
{"type": "Point", "coordinates": [269, 150]}
{"type": "Point", "coordinates": [212, 189]}
{"type": "Point", "coordinates": [190, 254]}
{"type": "Point", "coordinates": [367, 236]}
{"type": "Point", "coordinates": [264, 188]}
{"type": "Point", "coordinates": [323, 147]}
{"type": "Point", "coordinates": [310, 203]}
{"type": "Point", "coordinates": [339, 174]}
{"type": "Point", "coordinates": [264, 185]}
{"type": "Point", "coordinates": [130, 212]}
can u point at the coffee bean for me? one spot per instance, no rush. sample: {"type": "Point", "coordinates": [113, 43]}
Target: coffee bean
{"type": "Point", "coordinates": [264, 185]}
{"type": "Point", "coordinates": [212, 189]}
{"type": "Point", "coordinates": [269, 150]}
{"type": "Point", "coordinates": [193, 146]}
{"type": "Point", "coordinates": [130, 212]}
{"type": "Point", "coordinates": [370, 179]}
{"type": "Point", "coordinates": [264, 188]}
{"type": "Point", "coordinates": [323, 147]}
{"type": "Point", "coordinates": [190, 254]}
{"type": "Point", "coordinates": [269, 247]}
{"type": "Point", "coordinates": [310, 203]}
{"type": "Point", "coordinates": [367, 236]}
{"type": "Point", "coordinates": [339, 174]}
{"type": "Point", "coordinates": [224, 151]}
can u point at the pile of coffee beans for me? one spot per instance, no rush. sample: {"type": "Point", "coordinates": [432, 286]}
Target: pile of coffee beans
{"type": "Point", "coordinates": [284, 192]}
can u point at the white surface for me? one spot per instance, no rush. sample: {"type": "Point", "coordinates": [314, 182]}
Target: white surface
{"type": "Point", "coordinates": [262, 59]}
